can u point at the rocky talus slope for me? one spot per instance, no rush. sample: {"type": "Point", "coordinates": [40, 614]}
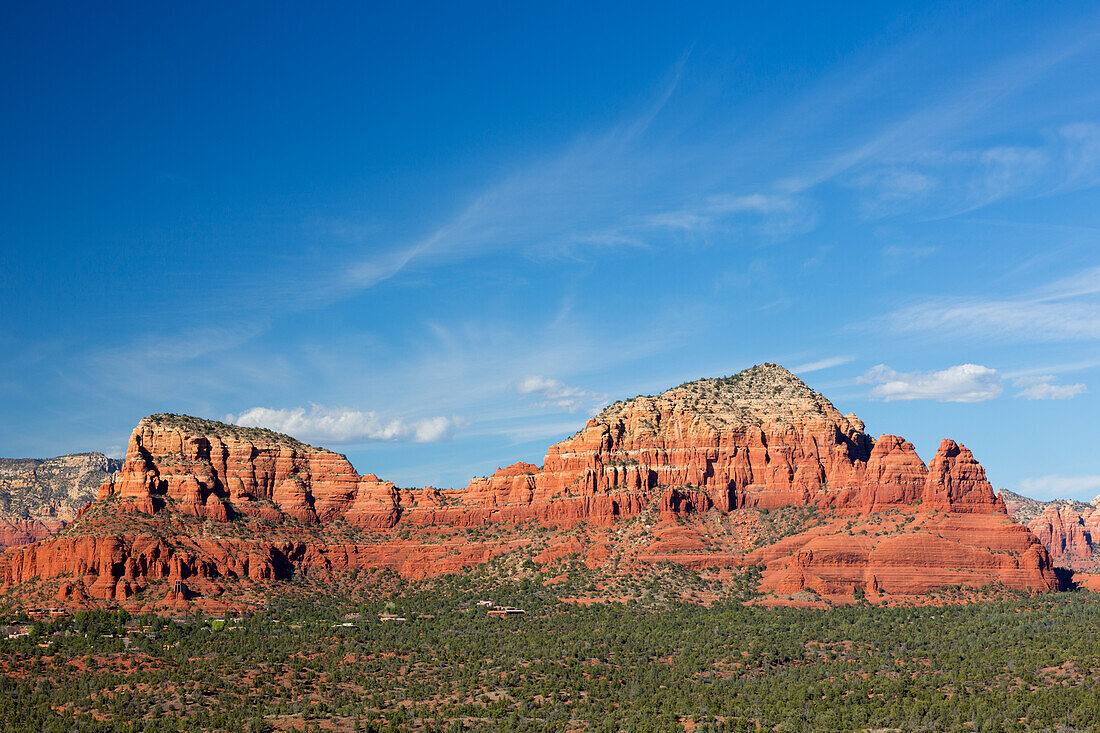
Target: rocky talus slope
{"type": "Point", "coordinates": [688, 476]}
{"type": "Point", "coordinates": [1070, 530]}
{"type": "Point", "coordinates": [39, 496]}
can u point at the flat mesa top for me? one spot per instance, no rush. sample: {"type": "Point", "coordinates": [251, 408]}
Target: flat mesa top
{"type": "Point", "coordinates": [196, 426]}
{"type": "Point", "coordinates": [759, 394]}
{"type": "Point", "coordinates": [92, 459]}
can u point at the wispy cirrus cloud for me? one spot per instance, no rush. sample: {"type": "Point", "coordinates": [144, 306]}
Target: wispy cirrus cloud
{"type": "Point", "coordinates": [769, 215]}
{"type": "Point", "coordinates": [944, 181]}
{"type": "Point", "coordinates": [828, 363]}
{"type": "Point", "coordinates": [952, 109]}
{"type": "Point", "coordinates": [554, 392]}
{"type": "Point", "coordinates": [892, 188]}
{"type": "Point", "coordinates": [961, 383]}
{"type": "Point", "coordinates": [1042, 387]}
{"type": "Point", "coordinates": [563, 200]}
{"type": "Point", "coordinates": [335, 425]}
{"type": "Point", "coordinates": [1064, 310]}
{"type": "Point", "coordinates": [212, 360]}
{"type": "Point", "coordinates": [642, 183]}
{"type": "Point", "coordinates": [598, 195]}
{"type": "Point", "coordinates": [1057, 486]}
{"type": "Point", "coordinates": [1002, 320]}
{"type": "Point", "coordinates": [1081, 154]}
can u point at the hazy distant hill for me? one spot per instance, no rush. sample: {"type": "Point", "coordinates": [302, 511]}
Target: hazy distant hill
{"type": "Point", "coordinates": [1070, 530]}
{"type": "Point", "coordinates": [38, 496]}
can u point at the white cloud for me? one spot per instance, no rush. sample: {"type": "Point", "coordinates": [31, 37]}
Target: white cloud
{"type": "Point", "coordinates": [531, 383]}
{"type": "Point", "coordinates": [961, 383]}
{"type": "Point", "coordinates": [1043, 388]}
{"type": "Point", "coordinates": [943, 111]}
{"type": "Point", "coordinates": [997, 173]}
{"type": "Point", "coordinates": [754, 202]}
{"type": "Point", "coordinates": [554, 392]}
{"type": "Point", "coordinates": [433, 429]}
{"type": "Point", "coordinates": [115, 451]}
{"type": "Point", "coordinates": [1056, 486]}
{"type": "Point", "coordinates": [639, 184]}
{"type": "Point", "coordinates": [344, 425]}
{"type": "Point", "coordinates": [814, 366]}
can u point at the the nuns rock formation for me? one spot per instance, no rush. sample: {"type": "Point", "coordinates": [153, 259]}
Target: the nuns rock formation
{"type": "Point", "coordinates": [758, 440]}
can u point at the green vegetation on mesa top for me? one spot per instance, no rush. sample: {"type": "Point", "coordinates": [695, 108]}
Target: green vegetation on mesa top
{"type": "Point", "coordinates": [1030, 508]}
{"type": "Point", "coordinates": [763, 381]}
{"type": "Point", "coordinates": [327, 662]}
{"type": "Point", "coordinates": [225, 431]}
{"type": "Point", "coordinates": [748, 397]}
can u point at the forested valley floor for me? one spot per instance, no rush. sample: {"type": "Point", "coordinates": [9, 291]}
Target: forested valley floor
{"type": "Point", "coordinates": [319, 659]}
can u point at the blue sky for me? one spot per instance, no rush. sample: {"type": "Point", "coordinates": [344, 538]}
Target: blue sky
{"type": "Point", "coordinates": [438, 238]}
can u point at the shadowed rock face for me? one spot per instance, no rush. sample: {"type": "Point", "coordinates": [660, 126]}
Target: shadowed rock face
{"type": "Point", "coordinates": [39, 496]}
{"type": "Point", "coordinates": [761, 439]}
{"type": "Point", "coordinates": [1070, 530]}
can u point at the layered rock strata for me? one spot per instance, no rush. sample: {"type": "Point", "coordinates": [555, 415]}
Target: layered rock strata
{"type": "Point", "coordinates": [213, 470]}
{"type": "Point", "coordinates": [39, 496]}
{"type": "Point", "coordinates": [1070, 530]}
{"type": "Point", "coordinates": [756, 441]}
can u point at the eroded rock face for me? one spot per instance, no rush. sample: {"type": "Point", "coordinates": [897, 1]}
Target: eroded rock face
{"type": "Point", "coordinates": [1067, 533]}
{"type": "Point", "coordinates": [936, 550]}
{"type": "Point", "coordinates": [1070, 530]}
{"type": "Point", "coordinates": [759, 440]}
{"type": "Point", "coordinates": [39, 496]}
{"type": "Point", "coordinates": [957, 483]}
{"type": "Point", "coordinates": [24, 531]}
{"type": "Point", "coordinates": [213, 470]}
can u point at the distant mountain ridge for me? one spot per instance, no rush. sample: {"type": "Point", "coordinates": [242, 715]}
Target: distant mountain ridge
{"type": "Point", "coordinates": [38, 496]}
{"type": "Point", "coordinates": [1070, 530]}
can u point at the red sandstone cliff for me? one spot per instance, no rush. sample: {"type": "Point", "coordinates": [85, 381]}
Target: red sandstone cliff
{"type": "Point", "coordinates": [1070, 530]}
{"type": "Point", "coordinates": [199, 500]}
{"type": "Point", "coordinates": [210, 469]}
{"type": "Point", "coordinates": [15, 531]}
{"type": "Point", "coordinates": [759, 439]}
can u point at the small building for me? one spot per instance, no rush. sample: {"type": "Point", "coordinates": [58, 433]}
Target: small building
{"type": "Point", "coordinates": [506, 611]}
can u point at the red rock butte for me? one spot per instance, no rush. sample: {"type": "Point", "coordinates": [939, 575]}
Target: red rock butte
{"type": "Point", "coordinates": [1070, 530]}
{"type": "Point", "coordinates": [200, 501]}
